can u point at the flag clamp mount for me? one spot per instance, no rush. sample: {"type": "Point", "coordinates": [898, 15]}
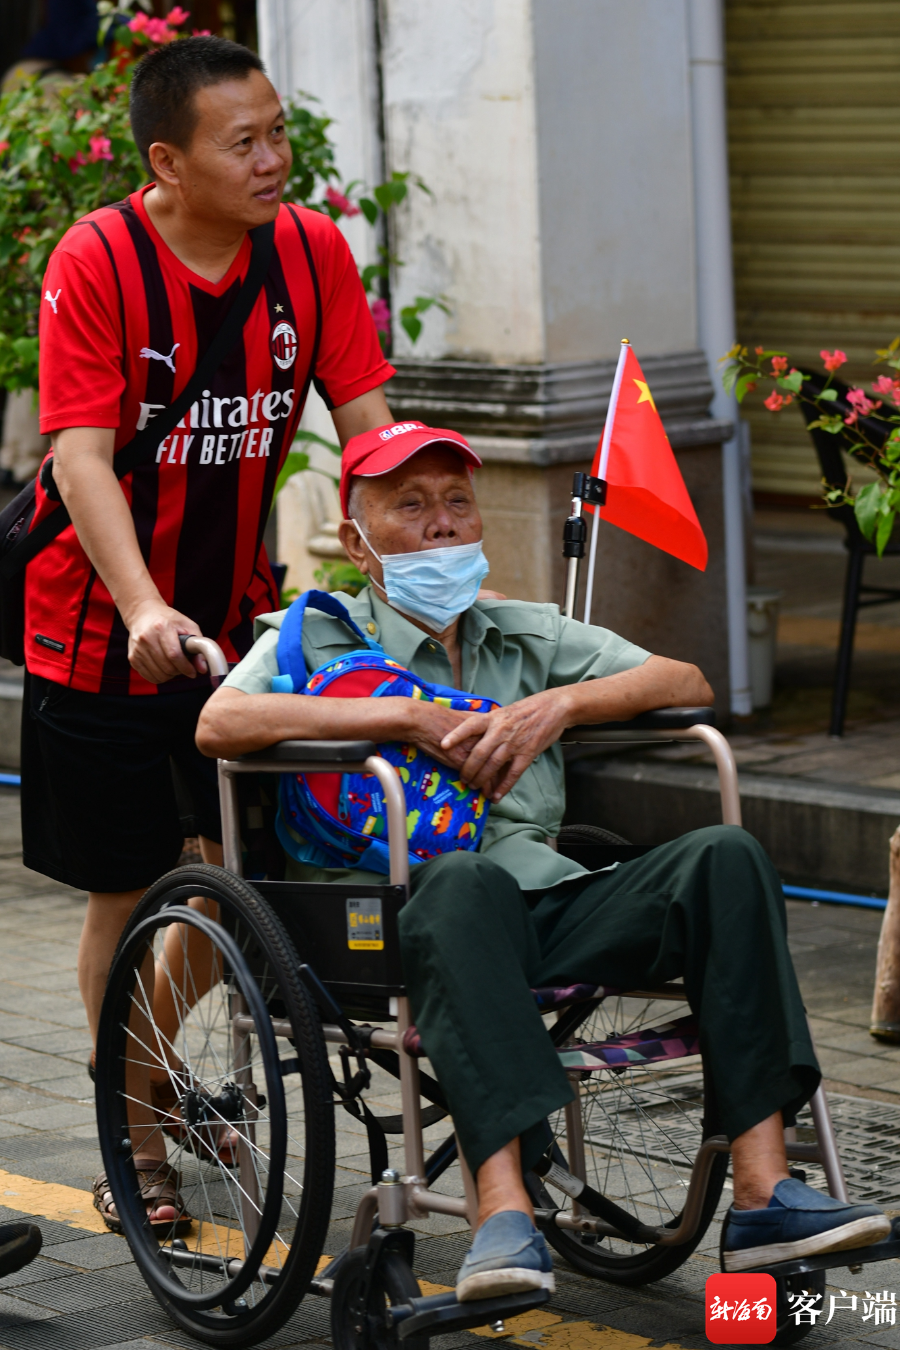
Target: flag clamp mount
{"type": "Point", "coordinates": [589, 489]}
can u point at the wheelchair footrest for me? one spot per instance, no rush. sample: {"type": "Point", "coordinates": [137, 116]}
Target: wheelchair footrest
{"type": "Point", "coordinates": [440, 1313]}
{"type": "Point", "coordinates": [888, 1250]}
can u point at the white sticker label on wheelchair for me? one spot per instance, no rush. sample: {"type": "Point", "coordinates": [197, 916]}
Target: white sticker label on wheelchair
{"type": "Point", "coordinates": [364, 930]}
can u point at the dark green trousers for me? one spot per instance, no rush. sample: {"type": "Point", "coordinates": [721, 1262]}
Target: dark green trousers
{"type": "Point", "coordinates": [708, 907]}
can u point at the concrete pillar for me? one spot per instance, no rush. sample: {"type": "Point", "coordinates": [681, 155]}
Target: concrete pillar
{"type": "Point", "coordinates": [556, 138]}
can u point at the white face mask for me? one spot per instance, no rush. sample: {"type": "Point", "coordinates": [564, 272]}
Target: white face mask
{"type": "Point", "coordinates": [433, 585]}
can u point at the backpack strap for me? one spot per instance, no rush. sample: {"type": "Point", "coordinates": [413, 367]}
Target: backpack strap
{"type": "Point", "coordinates": [290, 638]}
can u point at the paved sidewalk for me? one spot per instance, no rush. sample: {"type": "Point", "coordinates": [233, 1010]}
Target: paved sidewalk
{"type": "Point", "coordinates": [83, 1293]}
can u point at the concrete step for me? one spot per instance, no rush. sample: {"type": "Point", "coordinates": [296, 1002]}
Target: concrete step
{"type": "Point", "coordinates": [816, 833]}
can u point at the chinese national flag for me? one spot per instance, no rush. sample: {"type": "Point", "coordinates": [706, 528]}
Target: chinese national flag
{"type": "Point", "coordinates": [646, 494]}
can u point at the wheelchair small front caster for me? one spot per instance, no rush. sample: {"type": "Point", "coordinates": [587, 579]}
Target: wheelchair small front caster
{"type": "Point", "coordinates": [810, 1284]}
{"type": "Point", "coordinates": [360, 1323]}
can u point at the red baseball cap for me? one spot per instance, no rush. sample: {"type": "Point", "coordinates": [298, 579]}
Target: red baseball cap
{"type": "Point", "coordinates": [376, 452]}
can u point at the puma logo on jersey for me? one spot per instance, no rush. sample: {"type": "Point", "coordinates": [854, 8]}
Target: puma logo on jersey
{"type": "Point", "coordinates": [52, 299]}
{"type": "Point", "coordinates": [150, 355]}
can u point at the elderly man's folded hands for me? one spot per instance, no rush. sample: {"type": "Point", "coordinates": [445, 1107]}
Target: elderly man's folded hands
{"type": "Point", "coordinates": [501, 744]}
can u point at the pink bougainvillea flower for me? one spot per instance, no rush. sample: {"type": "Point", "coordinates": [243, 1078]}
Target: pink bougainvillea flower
{"type": "Point", "coordinates": [201, 32]}
{"type": "Point", "coordinates": [340, 202]}
{"type": "Point", "coordinates": [177, 16]}
{"type": "Point", "coordinates": [833, 360]}
{"type": "Point", "coordinates": [158, 30]}
{"type": "Point", "coordinates": [779, 365]}
{"type": "Point", "coordinates": [760, 350]}
{"type": "Point", "coordinates": [775, 402]}
{"type": "Point", "coordinates": [860, 401]}
{"type": "Point", "coordinates": [4, 145]}
{"type": "Point", "coordinates": [887, 386]}
{"type": "Point", "coordinates": [101, 148]}
{"type": "Point", "coordinates": [381, 315]}
{"type": "Point", "coordinates": [77, 160]}
{"type": "Point", "coordinates": [751, 386]}
{"type": "Point", "coordinates": [139, 23]}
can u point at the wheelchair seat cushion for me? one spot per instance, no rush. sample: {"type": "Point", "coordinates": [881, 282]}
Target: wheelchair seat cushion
{"type": "Point", "coordinates": [339, 820]}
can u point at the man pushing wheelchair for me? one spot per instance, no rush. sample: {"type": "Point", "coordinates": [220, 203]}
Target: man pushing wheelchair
{"type": "Point", "coordinates": [486, 925]}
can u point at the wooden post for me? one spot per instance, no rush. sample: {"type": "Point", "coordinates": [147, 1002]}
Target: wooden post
{"type": "Point", "coordinates": [886, 1002]}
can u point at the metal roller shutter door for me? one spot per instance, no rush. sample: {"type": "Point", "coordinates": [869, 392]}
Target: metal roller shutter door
{"type": "Point", "coordinates": [814, 137]}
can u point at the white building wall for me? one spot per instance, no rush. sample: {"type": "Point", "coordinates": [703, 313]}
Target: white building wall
{"type": "Point", "coordinates": [614, 151]}
{"type": "Point", "coordinates": [326, 48]}
{"type": "Point", "coordinates": [459, 111]}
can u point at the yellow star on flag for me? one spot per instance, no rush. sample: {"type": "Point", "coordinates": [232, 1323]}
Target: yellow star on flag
{"type": "Point", "coordinates": [646, 396]}
{"type": "Point", "coordinates": [279, 309]}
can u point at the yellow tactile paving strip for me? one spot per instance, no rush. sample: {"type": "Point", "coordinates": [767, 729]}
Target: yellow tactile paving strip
{"type": "Point", "coordinates": [545, 1330]}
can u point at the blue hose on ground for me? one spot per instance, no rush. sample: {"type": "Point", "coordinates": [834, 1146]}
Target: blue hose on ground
{"type": "Point", "coordinates": [10, 780]}
{"type": "Point", "coordinates": [833, 897]}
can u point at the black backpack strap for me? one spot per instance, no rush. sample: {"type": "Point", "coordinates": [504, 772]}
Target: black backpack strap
{"type": "Point", "coordinates": [144, 445]}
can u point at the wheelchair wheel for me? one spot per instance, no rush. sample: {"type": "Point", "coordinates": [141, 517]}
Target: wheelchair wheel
{"type": "Point", "coordinates": [358, 1323]}
{"type": "Point", "coordinates": [639, 1130]}
{"type": "Point", "coordinates": [246, 1115]}
{"type": "Point", "coordinates": [789, 1333]}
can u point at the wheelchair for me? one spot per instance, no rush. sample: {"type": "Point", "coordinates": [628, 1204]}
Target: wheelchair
{"type": "Point", "coordinates": [283, 998]}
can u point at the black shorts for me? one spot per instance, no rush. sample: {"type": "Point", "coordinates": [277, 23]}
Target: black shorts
{"type": "Point", "coordinates": [99, 804]}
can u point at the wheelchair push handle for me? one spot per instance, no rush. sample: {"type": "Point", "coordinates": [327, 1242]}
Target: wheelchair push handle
{"type": "Point", "coordinates": [192, 645]}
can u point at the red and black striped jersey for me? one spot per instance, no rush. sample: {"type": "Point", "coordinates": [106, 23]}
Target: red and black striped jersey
{"type": "Point", "coordinates": [123, 324]}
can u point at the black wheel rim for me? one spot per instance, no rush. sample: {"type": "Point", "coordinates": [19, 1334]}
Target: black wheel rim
{"type": "Point", "coordinates": [235, 1319]}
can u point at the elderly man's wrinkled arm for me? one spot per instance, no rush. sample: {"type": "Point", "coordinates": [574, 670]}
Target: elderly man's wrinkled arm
{"type": "Point", "coordinates": [504, 743]}
{"type": "Point", "coordinates": [234, 723]}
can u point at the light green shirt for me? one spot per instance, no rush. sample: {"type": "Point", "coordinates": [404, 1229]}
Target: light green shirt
{"type": "Point", "coordinates": [510, 649]}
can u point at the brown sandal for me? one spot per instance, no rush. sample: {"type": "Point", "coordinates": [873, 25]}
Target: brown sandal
{"type": "Point", "coordinates": [159, 1184]}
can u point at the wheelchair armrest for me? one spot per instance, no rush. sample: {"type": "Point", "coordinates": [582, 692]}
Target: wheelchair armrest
{"type": "Point", "coordinates": [659, 719]}
{"type": "Point", "coordinates": [337, 752]}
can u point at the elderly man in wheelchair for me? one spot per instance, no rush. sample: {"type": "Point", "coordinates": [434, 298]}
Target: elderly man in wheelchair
{"type": "Point", "coordinates": [392, 823]}
{"type": "Point", "coordinates": [484, 928]}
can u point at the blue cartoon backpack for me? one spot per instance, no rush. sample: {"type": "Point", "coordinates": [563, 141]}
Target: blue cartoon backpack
{"type": "Point", "coordinates": [339, 820]}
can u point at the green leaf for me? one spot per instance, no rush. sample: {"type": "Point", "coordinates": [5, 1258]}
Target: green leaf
{"type": "Point", "coordinates": [792, 382]}
{"type": "Point", "coordinates": [829, 395]}
{"type": "Point", "coordinates": [883, 533]}
{"type": "Point", "coordinates": [744, 385]}
{"type": "Point", "coordinates": [339, 575]}
{"type": "Point", "coordinates": [311, 437]}
{"type": "Point", "coordinates": [411, 323]}
{"type": "Point", "coordinates": [409, 315]}
{"type": "Point", "coordinates": [831, 424]}
{"type": "Point", "coordinates": [866, 506]}
{"type": "Point", "coordinates": [296, 462]}
{"type": "Point", "coordinates": [368, 275]}
{"type": "Point", "coordinates": [729, 377]}
{"type": "Point", "coordinates": [384, 196]}
{"type": "Point", "coordinates": [369, 209]}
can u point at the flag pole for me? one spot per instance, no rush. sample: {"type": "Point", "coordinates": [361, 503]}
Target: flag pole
{"type": "Point", "coordinates": [601, 474]}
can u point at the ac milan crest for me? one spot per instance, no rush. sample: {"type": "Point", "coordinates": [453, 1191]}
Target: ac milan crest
{"type": "Point", "coordinates": [284, 345]}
